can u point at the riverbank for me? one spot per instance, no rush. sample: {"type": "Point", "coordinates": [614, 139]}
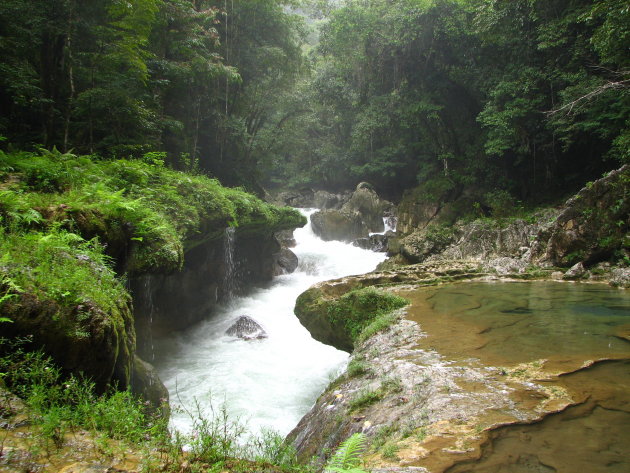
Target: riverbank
{"type": "Point", "coordinates": [422, 390]}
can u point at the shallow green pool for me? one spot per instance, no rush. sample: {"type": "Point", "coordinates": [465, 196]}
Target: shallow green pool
{"type": "Point", "coordinates": [513, 322]}
{"type": "Point", "coordinates": [581, 330]}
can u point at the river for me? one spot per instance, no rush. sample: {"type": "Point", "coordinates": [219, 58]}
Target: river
{"type": "Point", "coordinates": [268, 383]}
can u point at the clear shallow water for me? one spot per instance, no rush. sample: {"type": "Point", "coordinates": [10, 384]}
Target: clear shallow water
{"type": "Point", "coordinates": [513, 322]}
{"type": "Point", "coordinates": [569, 326]}
{"type": "Point", "coordinates": [271, 382]}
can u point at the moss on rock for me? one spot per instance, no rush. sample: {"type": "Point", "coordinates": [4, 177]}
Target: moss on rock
{"type": "Point", "coordinates": [348, 319]}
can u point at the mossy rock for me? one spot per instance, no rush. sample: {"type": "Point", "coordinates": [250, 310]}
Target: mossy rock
{"type": "Point", "coordinates": [58, 289]}
{"type": "Point", "coordinates": [594, 225]}
{"type": "Point", "coordinates": [100, 345]}
{"type": "Point", "coordinates": [346, 319]}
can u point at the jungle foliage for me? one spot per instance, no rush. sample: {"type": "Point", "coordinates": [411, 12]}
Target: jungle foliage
{"type": "Point", "coordinates": [122, 78]}
{"type": "Point", "coordinates": [529, 98]}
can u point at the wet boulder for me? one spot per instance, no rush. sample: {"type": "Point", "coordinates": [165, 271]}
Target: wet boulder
{"type": "Point", "coordinates": [286, 262]}
{"type": "Point", "coordinates": [246, 328]}
{"type": "Point", "coordinates": [338, 225]}
{"type": "Point", "coordinates": [361, 215]}
{"type": "Point", "coordinates": [376, 242]}
{"type": "Point", "coordinates": [371, 208]}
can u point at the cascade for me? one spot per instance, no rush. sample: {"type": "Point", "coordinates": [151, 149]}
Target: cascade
{"type": "Point", "coordinates": [270, 382]}
{"type": "Point", "coordinates": [389, 225]}
{"type": "Point", "coordinates": [229, 261]}
{"type": "Point", "coordinates": [149, 299]}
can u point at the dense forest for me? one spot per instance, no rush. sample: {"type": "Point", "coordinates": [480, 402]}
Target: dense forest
{"type": "Point", "coordinates": [508, 100]}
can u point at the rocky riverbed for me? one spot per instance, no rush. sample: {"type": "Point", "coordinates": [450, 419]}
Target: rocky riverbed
{"type": "Point", "coordinates": [429, 393]}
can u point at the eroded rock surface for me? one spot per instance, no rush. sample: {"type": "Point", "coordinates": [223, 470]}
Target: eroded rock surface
{"type": "Point", "coordinates": [430, 396]}
{"type": "Point", "coordinates": [435, 412]}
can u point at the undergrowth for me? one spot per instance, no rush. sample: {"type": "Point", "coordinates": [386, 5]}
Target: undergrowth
{"type": "Point", "coordinates": [135, 206]}
{"type": "Point", "coordinates": [365, 312]}
{"type": "Point", "coordinates": [57, 405]}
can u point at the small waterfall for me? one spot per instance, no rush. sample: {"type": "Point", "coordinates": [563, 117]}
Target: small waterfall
{"type": "Point", "coordinates": [389, 225]}
{"type": "Point", "coordinates": [229, 261]}
{"type": "Point", "coordinates": [148, 296]}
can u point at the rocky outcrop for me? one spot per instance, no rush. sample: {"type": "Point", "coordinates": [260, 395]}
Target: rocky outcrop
{"type": "Point", "coordinates": [361, 215]}
{"type": "Point", "coordinates": [397, 393]}
{"type": "Point", "coordinates": [338, 225]}
{"type": "Point", "coordinates": [84, 339]}
{"type": "Point", "coordinates": [246, 328]}
{"type": "Point", "coordinates": [405, 396]}
{"type": "Point", "coordinates": [311, 198]}
{"type": "Point", "coordinates": [480, 239]}
{"type": "Point", "coordinates": [590, 227]}
{"type": "Point", "coordinates": [593, 225]}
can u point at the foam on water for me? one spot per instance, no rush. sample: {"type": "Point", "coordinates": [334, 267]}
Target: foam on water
{"type": "Point", "coordinates": [270, 382]}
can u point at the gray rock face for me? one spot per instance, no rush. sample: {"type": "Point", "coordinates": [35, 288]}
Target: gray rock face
{"type": "Point", "coordinates": [246, 328]}
{"type": "Point", "coordinates": [593, 225]}
{"type": "Point", "coordinates": [366, 202]}
{"type": "Point", "coordinates": [480, 240]}
{"type": "Point", "coordinates": [361, 214]}
{"type": "Point", "coordinates": [376, 242]}
{"type": "Point", "coordinates": [338, 225]}
{"type": "Point", "coordinates": [286, 262]}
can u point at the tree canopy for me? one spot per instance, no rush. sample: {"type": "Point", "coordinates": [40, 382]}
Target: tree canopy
{"type": "Point", "coordinates": [528, 98]}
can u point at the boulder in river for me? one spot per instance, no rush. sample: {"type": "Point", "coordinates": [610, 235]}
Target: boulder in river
{"type": "Point", "coordinates": [338, 225]}
{"type": "Point", "coordinates": [361, 214]}
{"type": "Point", "coordinates": [246, 328]}
{"type": "Point", "coordinates": [286, 262]}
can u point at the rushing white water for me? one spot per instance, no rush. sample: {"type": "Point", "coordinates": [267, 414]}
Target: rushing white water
{"type": "Point", "coordinates": [267, 383]}
{"type": "Point", "coordinates": [389, 224]}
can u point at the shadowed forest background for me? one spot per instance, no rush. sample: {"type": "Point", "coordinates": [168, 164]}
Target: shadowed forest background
{"type": "Point", "coordinates": [507, 101]}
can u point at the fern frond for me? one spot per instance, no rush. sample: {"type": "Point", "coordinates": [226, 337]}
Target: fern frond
{"type": "Point", "coordinates": [348, 455]}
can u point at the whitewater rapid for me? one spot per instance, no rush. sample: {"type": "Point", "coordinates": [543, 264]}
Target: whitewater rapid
{"type": "Point", "coordinates": [268, 383]}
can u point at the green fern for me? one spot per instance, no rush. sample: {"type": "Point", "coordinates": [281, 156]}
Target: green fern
{"type": "Point", "coordinates": [347, 458]}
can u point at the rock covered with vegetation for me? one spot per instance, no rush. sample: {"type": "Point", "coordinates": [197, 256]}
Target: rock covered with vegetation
{"type": "Point", "coordinates": [594, 225]}
{"type": "Point", "coordinates": [73, 227]}
{"type": "Point", "coordinates": [591, 228]}
{"type": "Point", "coordinates": [61, 290]}
{"type": "Point", "coordinates": [345, 320]}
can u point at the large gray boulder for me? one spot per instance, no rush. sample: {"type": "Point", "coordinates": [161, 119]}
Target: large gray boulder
{"type": "Point", "coordinates": [338, 225]}
{"type": "Point", "coordinates": [366, 203]}
{"type": "Point", "coordinates": [246, 328]}
{"type": "Point", "coordinates": [361, 215]}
